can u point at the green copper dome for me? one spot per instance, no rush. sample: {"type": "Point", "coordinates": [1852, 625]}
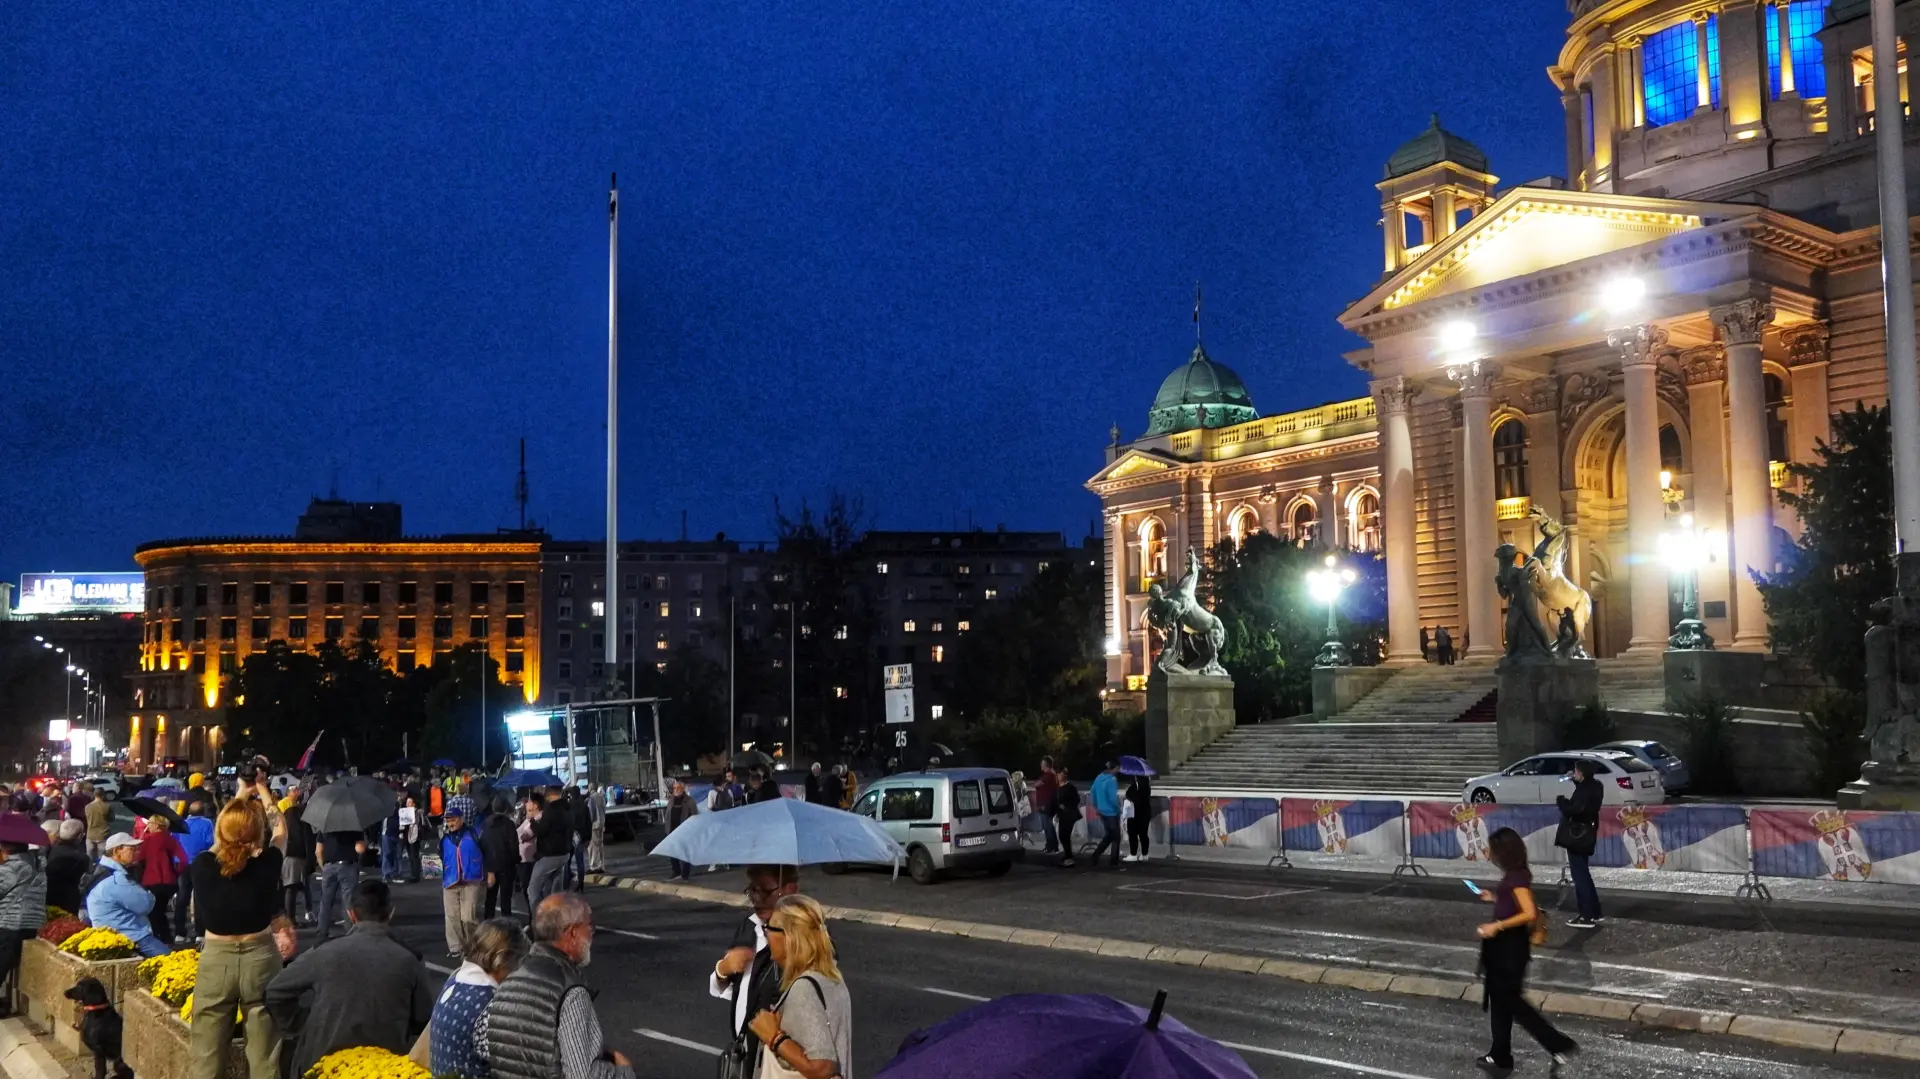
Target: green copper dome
{"type": "Point", "coordinates": [1433, 146]}
{"type": "Point", "coordinates": [1201, 393]}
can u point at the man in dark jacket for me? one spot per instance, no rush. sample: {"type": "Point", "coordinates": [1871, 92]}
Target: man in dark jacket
{"type": "Point", "coordinates": [581, 815]}
{"type": "Point", "coordinates": [364, 989]}
{"type": "Point", "coordinates": [500, 850]}
{"type": "Point", "coordinates": [821, 789]}
{"type": "Point", "coordinates": [1579, 833]}
{"type": "Point", "coordinates": [746, 977]}
{"type": "Point", "coordinates": [552, 845]}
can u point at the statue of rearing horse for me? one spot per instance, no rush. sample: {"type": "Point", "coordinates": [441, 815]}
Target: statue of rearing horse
{"type": "Point", "coordinates": [1557, 592]}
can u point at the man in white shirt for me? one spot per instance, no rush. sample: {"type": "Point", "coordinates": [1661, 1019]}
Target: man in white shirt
{"type": "Point", "coordinates": [746, 976]}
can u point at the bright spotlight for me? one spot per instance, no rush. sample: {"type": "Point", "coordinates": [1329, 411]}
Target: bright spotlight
{"type": "Point", "coordinates": [1457, 335]}
{"type": "Point", "coordinates": [1622, 295]}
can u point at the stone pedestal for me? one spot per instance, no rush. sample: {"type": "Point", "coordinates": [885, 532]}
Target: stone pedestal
{"type": "Point", "coordinates": [1185, 713]}
{"type": "Point", "coordinates": [1336, 689]}
{"type": "Point", "coordinates": [1536, 697]}
{"type": "Point", "coordinates": [1731, 677]}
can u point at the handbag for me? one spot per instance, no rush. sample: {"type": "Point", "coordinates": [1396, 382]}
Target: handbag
{"type": "Point", "coordinates": [734, 1062]}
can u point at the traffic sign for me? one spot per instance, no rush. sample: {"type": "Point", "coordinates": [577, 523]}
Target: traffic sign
{"type": "Point", "coordinates": [900, 705]}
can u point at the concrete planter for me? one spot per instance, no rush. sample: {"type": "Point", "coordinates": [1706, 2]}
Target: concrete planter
{"type": "Point", "coordinates": [155, 1042]}
{"type": "Point", "coordinates": [46, 973]}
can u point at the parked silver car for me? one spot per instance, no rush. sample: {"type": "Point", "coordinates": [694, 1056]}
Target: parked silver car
{"type": "Point", "coordinates": [1673, 770]}
{"type": "Point", "coordinates": [948, 818]}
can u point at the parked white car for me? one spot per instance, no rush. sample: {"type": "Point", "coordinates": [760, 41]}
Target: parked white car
{"type": "Point", "coordinates": [1673, 771]}
{"type": "Point", "coordinates": [1541, 778]}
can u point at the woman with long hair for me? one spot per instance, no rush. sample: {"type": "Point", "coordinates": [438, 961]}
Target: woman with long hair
{"type": "Point", "coordinates": [1140, 801]}
{"type": "Point", "coordinates": [236, 886]}
{"type": "Point", "coordinates": [809, 1033]}
{"type": "Point", "coordinates": [1506, 946]}
{"type": "Point", "coordinates": [162, 860]}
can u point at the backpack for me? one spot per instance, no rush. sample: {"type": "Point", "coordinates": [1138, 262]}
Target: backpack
{"type": "Point", "coordinates": [94, 876]}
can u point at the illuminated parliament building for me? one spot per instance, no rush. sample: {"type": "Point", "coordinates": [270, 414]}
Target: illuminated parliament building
{"type": "Point", "coordinates": [1637, 350]}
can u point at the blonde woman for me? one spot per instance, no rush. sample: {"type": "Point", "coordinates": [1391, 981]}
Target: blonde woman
{"type": "Point", "coordinates": [236, 889]}
{"type": "Point", "coordinates": [809, 1033]}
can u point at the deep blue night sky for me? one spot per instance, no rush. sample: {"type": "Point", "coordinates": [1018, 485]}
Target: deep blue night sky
{"type": "Point", "coordinates": [924, 253]}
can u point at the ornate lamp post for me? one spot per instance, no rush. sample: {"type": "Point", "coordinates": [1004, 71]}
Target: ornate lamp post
{"type": "Point", "coordinates": [1683, 550]}
{"type": "Point", "coordinates": [1325, 585]}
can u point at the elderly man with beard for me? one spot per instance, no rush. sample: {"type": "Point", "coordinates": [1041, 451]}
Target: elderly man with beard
{"type": "Point", "coordinates": [544, 1003]}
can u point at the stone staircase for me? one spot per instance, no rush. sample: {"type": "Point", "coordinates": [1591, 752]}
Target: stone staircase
{"type": "Point", "coordinates": [1428, 693]}
{"type": "Point", "coordinates": [1634, 683]}
{"type": "Point", "coordinates": [1343, 758]}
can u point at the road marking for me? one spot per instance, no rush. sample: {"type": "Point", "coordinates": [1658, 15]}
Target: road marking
{"type": "Point", "coordinates": [635, 933]}
{"type": "Point", "coordinates": [438, 969]}
{"type": "Point", "coordinates": [711, 1050]}
{"type": "Point", "coordinates": [954, 993]}
{"type": "Point", "coordinates": [1303, 1058]}
{"type": "Point", "coordinates": [1208, 888]}
{"type": "Point", "coordinates": [1377, 1004]}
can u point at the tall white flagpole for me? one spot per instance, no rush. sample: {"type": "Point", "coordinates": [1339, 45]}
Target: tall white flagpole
{"type": "Point", "coordinates": [1896, 269]}
{"type": "Point", "coordinates": [610, 619]}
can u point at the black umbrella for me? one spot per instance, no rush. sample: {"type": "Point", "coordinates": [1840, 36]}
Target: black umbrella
{"type": "Point", "coordinates": [153, 807]}
{"type": "Point", "coordinates": [353, 804]}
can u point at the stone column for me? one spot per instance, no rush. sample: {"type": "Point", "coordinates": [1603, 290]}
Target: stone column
{"type": "Point", "coordinates": [1807, 364]}
{"type": "Point", "coordinates": [1393, 229]}
{"type": "Point", "coordinates": [1786, 49]}
{"type": "Point", "coordinates": [1741, 324]}
{"type": "Point", "coordinates": [1117, 644]}
{"type": "Point", "coordinates": [1606, 96]}
{"type": "Point", "coordinates": [1442, 215]}
{"type": "Point", "coordinates": [1640, 349]}
{"type": "Point", "coordinates": [1209, 514]}
{"type": "Point", "coordinates": [1574, 104]}
{"type": "Point", "coordinates": [1474, 480]}
{"type": "Point", "coordinates": [1705, 370]}
{"type": "Point", "coordinates": [1703, 72]}
{"type": "Point", "coordinates": [1393, 396]}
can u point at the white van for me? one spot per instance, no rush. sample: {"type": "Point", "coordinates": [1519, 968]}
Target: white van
{"type": "Point", "coordinates": [948, 818]}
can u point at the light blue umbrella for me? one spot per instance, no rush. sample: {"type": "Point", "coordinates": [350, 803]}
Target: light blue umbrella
{"type": "Point", "coordinates": [781, 831]}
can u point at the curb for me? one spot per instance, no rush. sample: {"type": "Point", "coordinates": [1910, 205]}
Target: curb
{"type": "Point", "coordinates": [24, 1056]}
{"type": "Point", "coordinates": [1797, 1033]}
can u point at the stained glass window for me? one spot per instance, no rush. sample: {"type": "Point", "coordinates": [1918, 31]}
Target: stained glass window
{"type": "Point", "coordinates": [1804, 19]}
{"type": "Point", "coordinates": [1670, 69]}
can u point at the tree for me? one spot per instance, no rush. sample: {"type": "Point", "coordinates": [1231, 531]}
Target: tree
{"type": "Point", "coordinates": [819, 580]}
{"type": "Point", "coordinates": [1039, 651]}
{"type": "Point", "coordinates": [275, 704]}
{"type": "Point", "coordinates": [693, 718]}
{"type": "Point", "coordinates": [452, 709]}
{"type": "Point", "coordinates": [1817, 607]}
{"type": "Point", "coordinates": [1274, 628]}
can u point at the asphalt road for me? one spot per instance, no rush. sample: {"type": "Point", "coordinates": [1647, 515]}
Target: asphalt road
{"type": "Point", "coordinates": [652, 954]}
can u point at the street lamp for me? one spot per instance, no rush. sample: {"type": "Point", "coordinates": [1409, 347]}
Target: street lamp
{"type": "Point", "coordinates": [1683, 550]}
{"type": "Point", "coordinates": [1325, 585]}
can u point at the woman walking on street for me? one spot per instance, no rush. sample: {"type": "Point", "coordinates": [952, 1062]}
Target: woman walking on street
{"type": "Point", "coordinates": [237, 887]}
{"type": "Point", "coordinates": [680, 809]}
{"type": "Point", "coordinates": [1140, 802]}
{"type": "Point", "coordinates": [1506, 946]}
{"type": "Point", "coordinates": [809, 1033]}
{"type": "Point", "coordinates": [1066, 811]}
{"type": "Point", "coordinates": [1578, 834]}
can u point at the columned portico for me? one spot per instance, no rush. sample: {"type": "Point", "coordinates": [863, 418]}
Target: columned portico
{"type": "Point", "coordinates": [1475, 379]}
{"type": "Point", "coordinates": [1391, 397]}
{"type": "Point", "coordinates": [1640, 349]}
{"type": "Point", "coordinates": [1741, 325]}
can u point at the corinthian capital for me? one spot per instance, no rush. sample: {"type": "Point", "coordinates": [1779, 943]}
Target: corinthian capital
{"type": "Point", "coordinates": [1742, 321]}
{"type": "Point", "coordinates": [1638, 346]}
{"type": "Point", "coordinates": [1806, 343]}
{"type": "Point", "coordinates": [1392, 395]}
{"type": "Point", "coordinates": [1474, 377]}
{"type": "Point", "coordinates": [1703, 365]}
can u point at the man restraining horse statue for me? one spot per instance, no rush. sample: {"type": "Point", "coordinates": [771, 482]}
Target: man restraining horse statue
{"type": "Point", "coordinates": [1178, 614]}
{"type": "Point", "coordinates": [1556, 592]}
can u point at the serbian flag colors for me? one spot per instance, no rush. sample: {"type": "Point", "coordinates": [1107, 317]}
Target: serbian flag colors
{"type": "Point", "coordinates": [1459, 830]}
{"type": "Point", "coordinates": [1246, 823]}
{"type": "Point", "coordinates": [1837, 844]}
{"type": "Point", "coordinates": [1689, 839]}
{"type": "Point", "coordinates": [1335, 826]}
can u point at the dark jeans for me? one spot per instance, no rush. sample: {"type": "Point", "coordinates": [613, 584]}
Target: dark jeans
{"type": "Point", "coordinates": [11, 941]}
{"type": "Point", "coordinates": [1111, 839]}
{"type": "Point", "coordinates": [500, 895]}
{"type": "Point", "coordinates": [413, 861]}
{"type": "Point", "coordinates": [337, 881]}
{"type": "Point", "coordinates": [1137, 840]}
{"type": "Point", "coordinates": [681, 870]}
{"type": "Point", "coordinates": [1047, 829]}
{"type": "Point", "coordinates": [1503, 963]}
{"type": "Point", "coordinates": [577, 869]}
{"type": "Point", "coordinates": [1066, 822]}
{"type": "Point", "coordinates": [523, 884]}
{"type": "Point", "coordinates": [158, 917]}
{"type": "Point", "coordinates": [182, 904]}
{"type": "Point", "coordinates": [1585, 896]}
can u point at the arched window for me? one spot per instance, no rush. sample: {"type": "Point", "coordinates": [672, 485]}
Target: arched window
{"type": "Point", "coordinates": [1363, 520]}
{"type": "Point", "coordinates": [1671, 458]}
{"type": "Point", "coordinates": [1241, 523]}
{"type": "Point", "coordinates": [1300, 521]}
{"type": "Point", "coordinates": [1776, 391]}
{"type": "Point", "coordinates": [1510, 460]}
{"type": "Point", "coordinates": [1153, 551]}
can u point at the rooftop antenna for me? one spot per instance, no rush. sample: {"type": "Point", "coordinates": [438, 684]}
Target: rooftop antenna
{"type": "Point", "coordinates": [520, 486]}
{"type": "Point", "coordinates": [1196, 315]}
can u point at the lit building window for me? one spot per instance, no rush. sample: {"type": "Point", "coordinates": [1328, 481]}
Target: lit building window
{"type": "Point", "coordinates": [908, 626]}
{"type": "Point", "coordinates": [840, 633]}
{"type": "Point", "coordinates": [661, 666]}
{"type": "Point", "coordinates": [664, 608]}
{"type": "Point", "coordinates": [1510, 460]}
{"type": "Point", "coordinates": [693, 610]}
{"type": "Point", "coordinates": [963, 569]}
{"type": "Point", "coordinates": [937, 711]}
{"type": "Point", "coordinates": [1363, 522]}
{"type": "Point", "coordinates": [939, 653]}
{"type": "Point", "coordinates": [1153, 551]}
{"type": "Point", "coordinates": [1300, 523]}
{"type": "Point", "coordinates": [599, 608]}
{"type": "Point", "coordinates": [840, 692]}
{"type": "Point", "coordinates": [991, 593]}
{"type": "Point", "coordinates": [938, 627]}
{"type": "Point", "coordinates": [1670, 69]}
{"type": "Point", "coordinates": [965, 625]}
{"type": "Point", "coordinates": [879, 567]}
{"type": "Point", "coordinates": [1242, 523]}
{"type": "Point", "coordinates": [1804, 19]}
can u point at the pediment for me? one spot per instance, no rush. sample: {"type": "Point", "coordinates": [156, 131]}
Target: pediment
{"type": "Point", "coordinates": [1132, 463]}
{"type": "Point", "coordinates": [1529, 230]}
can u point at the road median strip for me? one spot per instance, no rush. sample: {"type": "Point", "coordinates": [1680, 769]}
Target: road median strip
{"type": "Point", "coordinates": [1798, 1033]}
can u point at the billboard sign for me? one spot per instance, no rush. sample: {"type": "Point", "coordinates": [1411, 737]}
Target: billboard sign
{"type": "Point", "coordinates": [102, 593]}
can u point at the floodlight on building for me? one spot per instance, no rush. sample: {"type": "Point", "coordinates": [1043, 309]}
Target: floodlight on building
{"type": "Point", "coordinates": [1457, 335]}
{"type": "Point", "coordinates": [1622, 295]}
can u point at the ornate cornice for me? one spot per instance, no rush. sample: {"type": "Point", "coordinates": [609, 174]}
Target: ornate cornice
{"type": "Point", "coordinates": [1700, 366]}
{"type": "Point", "coordinates": [1474, 377]}
{"type": "Point", "coordinates": [1392, 395]}
{"type": "Point", "coordinates": [1806, 343]}
{"type": "Point", "coordinates": [1742, 321]}
{"type": "Point", "coordinates": [1638, 345]}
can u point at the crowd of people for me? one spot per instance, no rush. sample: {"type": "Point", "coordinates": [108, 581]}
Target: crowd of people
{"type": "Point", "coordinates": [1052, 808]}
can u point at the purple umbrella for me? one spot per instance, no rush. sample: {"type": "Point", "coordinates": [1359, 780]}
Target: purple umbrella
{"type": "Point", "coordinates": [1136, 766]}
{"type": "Point", "coordinates": [19, 828]}
{"type": "Point", "coordinates": [1056, 1036]}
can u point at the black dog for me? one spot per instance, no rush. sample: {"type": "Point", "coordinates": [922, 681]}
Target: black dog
{"type": "Point", "coordinates": [100, 1027]}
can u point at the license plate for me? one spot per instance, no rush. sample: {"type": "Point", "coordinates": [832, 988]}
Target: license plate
{"type": "Point", "coordinates": [1646, 783]}
{"type": "Point", "coordinates": [970, 841]}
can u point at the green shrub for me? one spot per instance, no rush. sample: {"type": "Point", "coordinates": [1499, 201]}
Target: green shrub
{"type": "Point", "coordinates": [1834, 725]}
{"type": "Point", "coordinates": [1706, 730]}
{"type": "Point", "coordinates": [1587, 726]}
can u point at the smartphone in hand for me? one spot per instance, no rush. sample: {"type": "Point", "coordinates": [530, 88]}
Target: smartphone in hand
{"type": "Point", "coordinates": [1471, 886]}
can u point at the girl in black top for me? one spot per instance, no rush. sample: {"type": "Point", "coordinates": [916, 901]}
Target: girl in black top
{"type": "Point", "coordinates": [236, 889]}
{"type": "Point", "coordinates": [1140, 796]}
{"type": "Point", "coordinates": [1506, 945]}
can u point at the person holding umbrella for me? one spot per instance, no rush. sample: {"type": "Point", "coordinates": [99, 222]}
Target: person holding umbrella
{"type": "Point", "coordinates": [1139, 808]}
{"type": "Point", "coordinates": [747, 977]}
{"type": "Point", "coordinates": [23, 889]}
{"type": "Point", "coordinates": [340, 813]}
